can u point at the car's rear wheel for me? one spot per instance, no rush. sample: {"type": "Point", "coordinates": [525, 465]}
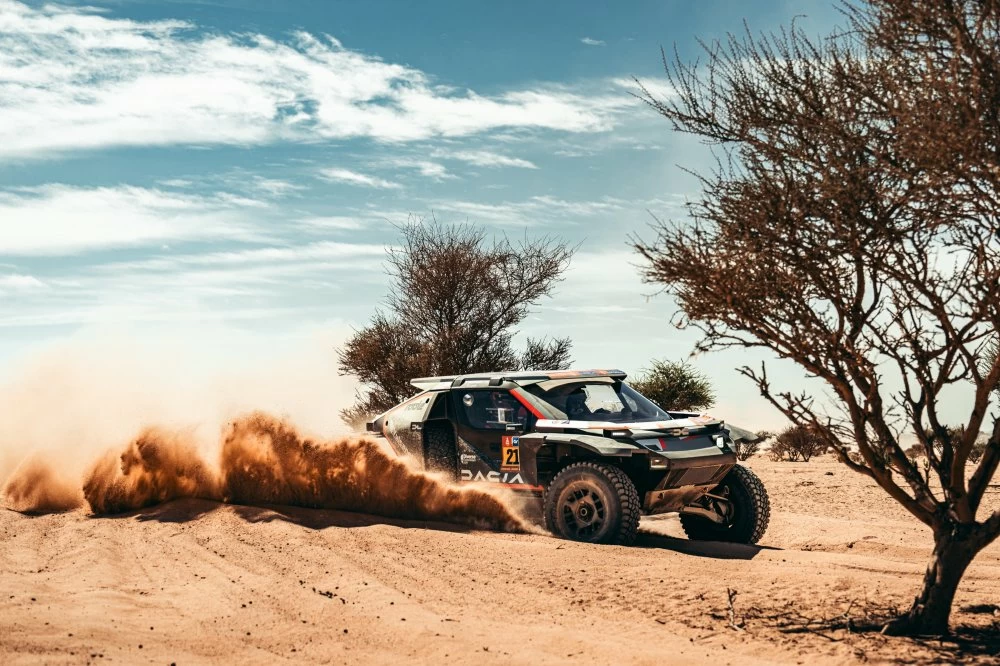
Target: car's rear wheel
{"type": "Point", "coordinates": [594, 502]}
{"type": "Point", "coordinates": [744, 511]}
{"type": "Point", "coordinates": [440, 453]}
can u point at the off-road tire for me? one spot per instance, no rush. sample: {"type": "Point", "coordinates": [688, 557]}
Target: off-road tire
{"type": "Point", "coordinates": [611, 497]}
{"type": "Point", "coordinates": [751, 506]}
{"type": "Point", "coordinates": [440, 454]}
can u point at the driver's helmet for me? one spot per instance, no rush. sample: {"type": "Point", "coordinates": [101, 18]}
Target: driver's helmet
{"type": "Point", "coordinates": [576, 404]}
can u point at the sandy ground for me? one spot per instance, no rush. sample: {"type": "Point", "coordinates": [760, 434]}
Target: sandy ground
{"type": "Point", "coordinates": [195, 581]}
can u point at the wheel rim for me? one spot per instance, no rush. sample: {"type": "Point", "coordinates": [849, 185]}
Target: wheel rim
{"type": "Point", "coordinates": [582, 512]}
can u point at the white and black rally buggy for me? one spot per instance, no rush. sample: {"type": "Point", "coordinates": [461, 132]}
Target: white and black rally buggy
{"type": "Point", "coordinates": [596, 452]}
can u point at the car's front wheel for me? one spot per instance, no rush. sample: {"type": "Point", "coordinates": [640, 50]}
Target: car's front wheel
{"type": "Point", "coordinates": [594, 502]}
{"type": "Point", "coordinates": [742, 510]}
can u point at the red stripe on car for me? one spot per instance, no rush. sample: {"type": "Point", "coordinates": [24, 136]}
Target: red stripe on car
{"type": "Point", "coordinates": [527, 405]}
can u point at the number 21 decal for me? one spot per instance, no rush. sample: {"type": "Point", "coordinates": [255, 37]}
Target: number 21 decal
{"type": "Point", "coordinates": [510, 454]}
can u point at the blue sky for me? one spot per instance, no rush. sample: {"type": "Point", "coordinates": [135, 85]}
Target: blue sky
{"type": "Point", "coordinates": [241, 163]}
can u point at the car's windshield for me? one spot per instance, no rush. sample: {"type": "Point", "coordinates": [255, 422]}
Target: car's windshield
{"type": "Point", "coordinates": [613, 402]}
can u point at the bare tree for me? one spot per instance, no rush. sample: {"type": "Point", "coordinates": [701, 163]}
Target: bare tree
{"type": "Point", "coordinates": [851, 227]}
{"type": "Point", "coordinates": [675, 385]}
{"type": "Point", "coordinates": [454, 308]}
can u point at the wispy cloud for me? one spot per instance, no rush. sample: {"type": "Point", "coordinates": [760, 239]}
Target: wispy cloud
{"type": "Point", "coordinates": [485, 158]}
{"type": "Point", "coordinates": [272, 186]}
{"type": "Point", "coordinates": [590, 41]}
{"type": "Point", "coordinates": [73, 78]}
{"type": "Point", "coordinates": [18, 282]}
{"type": "Point", "coordinates": [165, 286]}
{"type": "Point", "coordinates": [536, 210]}
{"type": "Point", "coordinates": [340, 175]}
{"type": "Point", "coordinates": [333, 223]}
{"type": "Point", "coordinates": [426, 168]}
{"type": "Point", "coordinates": [260, 255]}
{"type": "Point", "coordinates": [179, 183]}
{"type": "Point", "coordinates": [60, 219]}
{"type": "Point", "coordinates": [657, 88]}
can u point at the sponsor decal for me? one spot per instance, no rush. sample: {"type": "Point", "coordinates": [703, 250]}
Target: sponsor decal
{"type": "Point", "coordinates": [510, 454]}
{"type": "Point", "coordinates": [510, 479]}
{"type": "Point", "coordinates": [658, 444]}
{"type": "Point", "coordinates": [581, 425]}
{"type": "Point", "coordinates": [467, 458]}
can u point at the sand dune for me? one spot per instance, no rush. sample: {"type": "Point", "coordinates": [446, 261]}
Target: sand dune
{"type": "Point", "coordinates": [195, 581]}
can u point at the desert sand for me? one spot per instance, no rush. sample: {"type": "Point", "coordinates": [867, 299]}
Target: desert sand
{"type": "Point", "coordinates": [198, 581]}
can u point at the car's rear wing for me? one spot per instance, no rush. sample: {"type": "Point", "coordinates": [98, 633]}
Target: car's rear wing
{"type": "Point", "coordinates": [522, 378]}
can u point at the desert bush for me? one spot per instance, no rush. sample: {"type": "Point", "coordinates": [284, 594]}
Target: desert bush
{"type": "Point", "coordinates": [978, 449]}
{"type": "Point", "coordinates": [746, 449]}
{"type": "Point", "coordinates": [797, 443]}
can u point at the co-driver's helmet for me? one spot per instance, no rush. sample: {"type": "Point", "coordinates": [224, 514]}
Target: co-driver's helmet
{"type": "Point", "coordinates": [576, 403]}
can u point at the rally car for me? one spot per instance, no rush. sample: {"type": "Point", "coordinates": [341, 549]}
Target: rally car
{"type": "Point", "coordinates": [590, 448]}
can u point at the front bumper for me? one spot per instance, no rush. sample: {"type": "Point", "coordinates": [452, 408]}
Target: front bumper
{"type": "Point", "coordinates": [692, 468]}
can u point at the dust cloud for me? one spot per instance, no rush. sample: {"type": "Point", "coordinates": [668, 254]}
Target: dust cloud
{"type": "Point", "coordinates": [265, 460]}
{"type": "Point", "coordinates": [156, 467]}
{"type": "Point", "coordinates": [37, 487]}
{"type": "Point", "coordinates": [186, 422]}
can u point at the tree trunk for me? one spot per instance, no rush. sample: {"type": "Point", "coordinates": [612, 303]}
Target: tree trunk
{"type": "Point", "coordinates": [954, 549]}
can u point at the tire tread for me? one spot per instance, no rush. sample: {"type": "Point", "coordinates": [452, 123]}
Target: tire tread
{"type": "Point", "coordinates": [631, 507]}
{"type": "Point", "coordinates": [700, 529]}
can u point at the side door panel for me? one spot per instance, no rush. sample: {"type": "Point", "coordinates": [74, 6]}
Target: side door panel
{"type": "Point", "coordinates": [489, 423]}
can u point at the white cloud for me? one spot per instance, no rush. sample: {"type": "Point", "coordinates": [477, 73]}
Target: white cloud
{"type": "Point", "coordinates": [340, 175]}
{"type": "Point", "coordinates": [333, 222]}
{"type": "Point", "coordinates": [485, 158]}
{"type": "Point", "coordinates": [660, 90]}
{"type": "Point", "coordinates": [71, 78]}
{"type": "Point", "coordinates": [425, 167]}
{"type": "Point", "coordinates": [295, 278]}
{"type": "Point", "coordinates": [273, 187]}
{"type": "Point", "coordinates": [591, 309]}
{"type": "Point", "coordinates": [292, 253]}
{"type": "Point", "coordinates": [17, 282]}
{"type": "Point", "coordinates": [237, 180]}
{"type": "Point", "coordinates": [590, 41]}
{"type": "Point", "coordinates": [59, 219]}
{"type": "Point", "coordinates": [179, 183]}
{"type": "Point", "coordinates": [536, 210]}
